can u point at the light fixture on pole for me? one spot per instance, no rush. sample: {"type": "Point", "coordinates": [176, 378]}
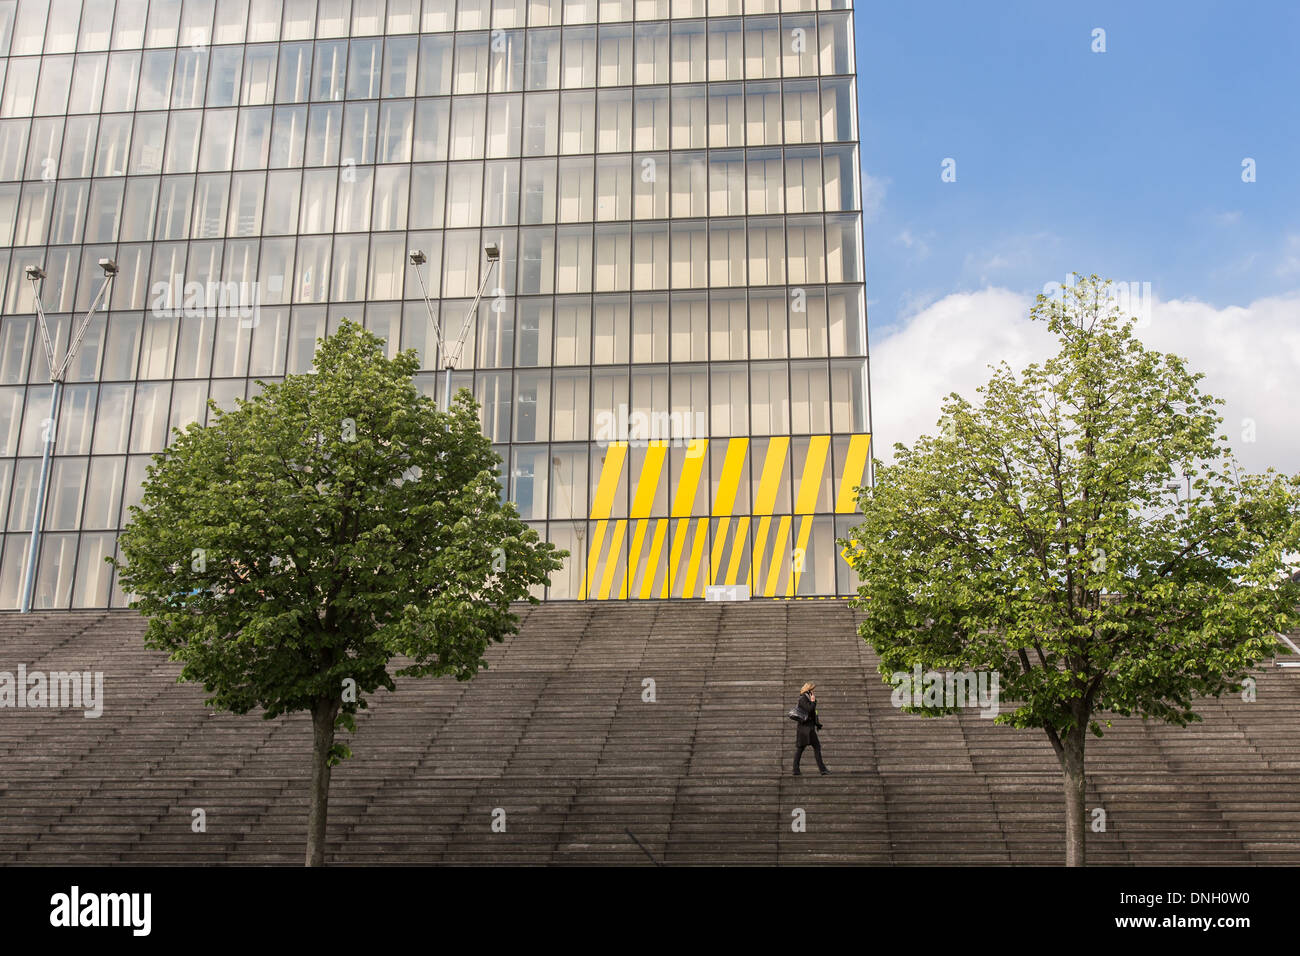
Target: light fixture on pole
{"type": "Point", "coordinates": [450, 357]}
{"type": "Point", "coordinates": [58, 371]}
{"type": "Point", "coordinates": [418, 258]}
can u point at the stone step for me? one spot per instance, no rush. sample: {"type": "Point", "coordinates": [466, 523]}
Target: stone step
{"type": "Point", "coordinates": [556, 733]}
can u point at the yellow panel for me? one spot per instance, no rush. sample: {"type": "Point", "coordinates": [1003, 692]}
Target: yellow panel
{"type": "Point", "coordinates": [647, 483]}
{"type": "Point", "coordinates": [738, 550]}
{"type": "Point", "coordinates": [634, 556]}
{"type": "Point", "coordinates": [728, 484]}
{"type": "Point", "coordinates": [719, 545]}
{"type": "Point", "coordinates": [805, 527]}
{"type": "Point", "coordinates": [656, 546]}
{"type": "Point", "coordinates": [643, 496]}
{"type": "Point", "coordinates": [593, 558]}
{"type": "Point", "coordinates": [675, 556]}
{"type": "Point", "coordinates": [615, 455]}
{"type": "Point", "coordinates": [732, 466]}
{"type": "Point", "coordinates": [697, 553]}
{"type": "Point", "coordinates": [756, 562]}
{"type": "Point", "coordinates": [810, 481]}
{"type": "Point", "coordinates": [687, 487]}
{"type": "Point", "coordinates": [700, 563]}
{"type": "Point", "coordinates": [770, 482]}
{"type": "Point", "coordinates": [855, 464]}
{"type": "Point", "coordinates": [689, 482]}
{"type": "Point", "coordinates": [778, 550]}
{"type": "Point", "coordinates": [611, 560]}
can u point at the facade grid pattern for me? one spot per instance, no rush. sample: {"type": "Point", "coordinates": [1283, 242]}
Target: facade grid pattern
{"type": "Point", "coordinates": [673, 184]}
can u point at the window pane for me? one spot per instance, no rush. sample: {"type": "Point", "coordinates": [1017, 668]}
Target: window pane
{"type": "Point", "coordinates": [436, 57]}
{"type": "Point", "coordinates": [56, 79]}
{"type": "Point", "coordinates": [258, 84]}
{"type": "Point", "coordinates": [112, 424]}
{"type": "Point", "coordinates": [114, 140]}
{"type": "Point", "coordinates": [428, 191]}
{"type": "Point", "coordinates": [395, 129]}
{"type": "Point", "coordinates": [293, 83]}
{"type": "Point", "coordinates": [79, 147]}
{"type": "Point", "coordinates": [147, 143]}
{"type": "Point", "coordinates": [324, 135]}
{"type": "Point", "coordinates": [190, 78]}
{"type": "Point", "coordinates": [104, 492]}
{"type": "Point", "coordinates": [88, 83]}
{"type": "Point", "coordinates": [288, 136]}
{"type": "Point", "coordinates": [400, 56]}
{"type": "Point", "coordinates": [364, 69]}
{"type": "Point", "coordinates": [156, 79]}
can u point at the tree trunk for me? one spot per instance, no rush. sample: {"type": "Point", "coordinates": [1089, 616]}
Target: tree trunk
{"type": "Point", "coordinates": [1076, 783]}
{"type": "Point", "coordinates": [323, 715]}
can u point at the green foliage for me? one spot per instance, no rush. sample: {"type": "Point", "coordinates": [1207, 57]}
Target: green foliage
{"type": "Point", "coordinates": [334, 522]}
{"type": "Point", "coordinates": [1037, 535]}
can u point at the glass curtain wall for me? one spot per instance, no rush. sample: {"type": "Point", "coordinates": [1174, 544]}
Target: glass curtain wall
{"type": "Point", "coordinates": [671, 354]}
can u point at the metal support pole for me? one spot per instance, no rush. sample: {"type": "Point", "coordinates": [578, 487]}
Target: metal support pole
{"type": "Point", "coordinates": [29, 577]}
{"type": "Point", "coordinates": [460, 341]}
{"type": "Point", "coordinates": [446, 388]}
{"type": "Point", "coordinates": [437, 325]}
{"type": "Point", "coordinates": [57, 373]}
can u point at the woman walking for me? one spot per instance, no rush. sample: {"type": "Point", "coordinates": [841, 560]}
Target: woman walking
{"type": "Point", "coordinates": [808, 727]}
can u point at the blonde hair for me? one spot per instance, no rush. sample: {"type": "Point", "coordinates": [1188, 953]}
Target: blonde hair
{"type": "Point", "coordinates": [807, 687]}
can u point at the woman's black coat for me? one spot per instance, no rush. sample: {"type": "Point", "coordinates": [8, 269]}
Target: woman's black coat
{"type": "Point", "coordinates": [806, 727]}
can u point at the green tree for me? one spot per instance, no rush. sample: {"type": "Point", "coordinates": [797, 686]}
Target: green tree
{"type": "Point", "coordinates": [1046, 534]}
{"type": "Point", "coordinates": [290, 550]}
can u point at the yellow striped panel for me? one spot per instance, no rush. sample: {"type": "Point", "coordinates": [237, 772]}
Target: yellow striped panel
{"type": "Point", "coordinates": [687, 487]}
{"type": "Point", "coordinates": [674, 556]}
{"type": "Point", "coordinates": [689, 482]}
{"type": "Point", "coordinates": [648, 482]}
{"type": "Point", "coordinates": [606, 488]}
{"type": "Point", "coordinates": [810, 481]}
{"type": "Point", "coordinates": [694, 561]}
{"type": "Point", "coordinates": [656, 548]}
{"type": "Point", "coordinates": [634, 556]}
{"type": "Point", "coordinates": [732, 468]}
{"type": "Point", "coordinates": [778, 553]}
{"type": "Point", "coordinates": [611, 559]}
{"type": "Point", "coordinates": [615, 455]}
{"type": "Point", "coordinates": [719, 545]}
{"type": "Point", "coordinates": [855, 466]}
{"type": "Point", "coordinates": [756, 561]}
{"type": "Point", "coordinates": [770, 481]}
{"type": "Point", "coordinates": [724, 503]}
{"type": "Point", "coordinates": [805, 528]}
{"type": "Point", "coordinates": [643, 498]}
{"type": "Point", "coordinates": [738, 549]}
{"type": "Point", "coordinates": [593, 558]}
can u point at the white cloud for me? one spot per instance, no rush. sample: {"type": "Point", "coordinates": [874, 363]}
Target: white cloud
{"type": "Point", "coordinates": [915, 244]}
{"type": "Point", "coordinates": [1250, 356]}
{"type": "Point", "coordinates": [1019, 251]}
{"type": "Point", "coordinates": [873, 195]}
{"type": "Point", "coordinates": [1251, 359]}
{"type": "Point", "coordinates": [1290, 264]}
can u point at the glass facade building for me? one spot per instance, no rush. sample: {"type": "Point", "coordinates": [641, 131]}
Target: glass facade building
{"type": "Point", "coordinates": [671, 353]}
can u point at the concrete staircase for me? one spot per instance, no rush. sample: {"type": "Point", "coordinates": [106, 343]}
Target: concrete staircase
{"type": "Point", "coordinates": [558, 736]}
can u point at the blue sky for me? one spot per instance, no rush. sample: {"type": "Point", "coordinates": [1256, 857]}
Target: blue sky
{"type": "Point", "coordinates": [1126, 163]}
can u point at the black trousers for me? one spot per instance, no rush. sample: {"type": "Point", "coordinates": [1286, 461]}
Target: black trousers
{"type": "Point", "coordinates": [808, 738]}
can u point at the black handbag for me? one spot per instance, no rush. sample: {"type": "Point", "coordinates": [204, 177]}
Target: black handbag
{"type": "Point", "coordinates": [798, 713]}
